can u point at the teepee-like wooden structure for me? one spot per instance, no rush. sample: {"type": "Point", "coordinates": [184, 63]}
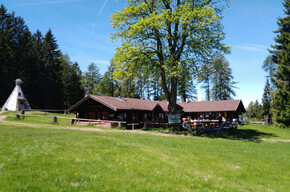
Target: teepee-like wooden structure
{"type": "Point", "coordinates": [17, 100]}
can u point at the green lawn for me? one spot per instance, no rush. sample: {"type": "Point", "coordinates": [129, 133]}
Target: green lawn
{"type": "Point", "coordinates": [39, 118]}
{"type": "Point", "coordinates": [41, 159]}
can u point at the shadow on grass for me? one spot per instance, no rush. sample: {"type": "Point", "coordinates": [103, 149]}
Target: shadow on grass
{"type": "Point", "coordinates": [237, 134]}
{"type": "Point", "coordinates": [232, 134]}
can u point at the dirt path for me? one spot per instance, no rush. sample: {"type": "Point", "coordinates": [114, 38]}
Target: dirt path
{"type": "Point", "coordinates": [275, 140]}
{"type": "Point", "coordinates": [2, 117]}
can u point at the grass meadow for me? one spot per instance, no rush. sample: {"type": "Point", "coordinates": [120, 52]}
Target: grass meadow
{"type": "Point", "coordinates": [37, 155]}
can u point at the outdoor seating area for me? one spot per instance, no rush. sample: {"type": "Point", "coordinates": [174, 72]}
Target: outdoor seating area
{"type": "Point", "coordinates": [208, 125]}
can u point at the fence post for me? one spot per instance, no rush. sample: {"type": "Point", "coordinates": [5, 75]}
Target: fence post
{"type": "Point", "coordinates": [54, 119]}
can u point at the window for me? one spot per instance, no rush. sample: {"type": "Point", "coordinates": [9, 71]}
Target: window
{"type": "Point", "coordinates": [19, 94]}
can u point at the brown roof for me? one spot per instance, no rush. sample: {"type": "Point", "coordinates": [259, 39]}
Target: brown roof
{"type": "Point", "coordinates": [116, 103]}
{"type": "Point", "coordinates": [213, 106]}
{"type": "Point", "coordinates": [130, 103]}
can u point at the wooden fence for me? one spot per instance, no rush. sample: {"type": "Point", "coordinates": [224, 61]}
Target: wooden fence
{"type": "Point", "coordinates": [76, 120]}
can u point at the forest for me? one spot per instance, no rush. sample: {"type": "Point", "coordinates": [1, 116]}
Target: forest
{"type": "Point", "coordinates": [51, 80]}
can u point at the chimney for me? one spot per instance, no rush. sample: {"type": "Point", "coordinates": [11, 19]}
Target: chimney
{"type": "Point", "coordinates": [120, 98]}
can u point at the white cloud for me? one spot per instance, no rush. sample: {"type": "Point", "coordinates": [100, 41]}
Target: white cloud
{"type": "Point", "coordinates": [101, 62]}
{"type": "Point", "coordinates": [255, 48]}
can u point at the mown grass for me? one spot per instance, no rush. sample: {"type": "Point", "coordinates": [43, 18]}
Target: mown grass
{"type": "Point", "coordinates": [251, 132]}
{"type": "Point", "coordinates": [40, 118]}
{"type": "Point", "coordinates": [38, 159]}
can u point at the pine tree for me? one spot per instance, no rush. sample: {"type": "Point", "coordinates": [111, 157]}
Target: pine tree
{"type": "Point", "coordinates": [107, 86]}
{"type": "Point", "coordinates": [255, 110]}
{"type": "Point", "coordinates": [37, 81]}
{"type": "Point", "coordinates": [8, 69]}
{"type": "Point", "coordinates": [186, 87]}
{"type": "Point", "coordinates": [156, 88]}
{"type": "Point", "coordinates": [15, 53]}
{"type": "Point", "coordinates": [222, 79]}
{"type": "Point", "coordinates": [266, 100]}
{"type": "Point", "coordinates": [36, 60]}
{"type": "Point", "coordinates": [53, 89]}
{"type": "Point", "coordinates": [71, 77]}
{"type": "Point", "coordinates": [251, 110]}
{"type": "Point", "coordinates": [205, 77]}
{"type": "Point", "coordinates": [281, 56]}
{"type": "Point", "coordinates": [270, 68]}
{"type": "Point", "coordinates": [91, 79]}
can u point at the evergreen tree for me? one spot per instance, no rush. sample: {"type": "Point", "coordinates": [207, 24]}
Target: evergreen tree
{"type": "Point", "coordinates": [8, 43]}
{"type": "Point", "coordinates": [269, 67]}
{"type": "Point", "coordinates": [107, 85]}
{"type": "Point", "coordinates": [266, 100]}
{"type": "Point", "coordinates": [255, 110]}
{"type": "Point", "coordinates": [91, 79]}
{"type": "Point", "coordinates": [15, 54]}
{"type": "Point", "coordinates": [251, 110]}
{"type": "Point", "coordinates": [281, 77]}
{"type": "Point", "coordinates": [38, 81]}
{"type": "Point", "coordinates": [258, 111]}
{"type": "Point", "coordinates": [53, 70]}
{"type": "Point", "coordinates": [71, 77]}
{"type": "Point", "coordinates": [35, 59]}
{"type": "Point", "coordinates": [222, 79]}
{"type": "Point", "coordinates": [205, 77]}
{"type": "Point", "coordinates": [156, 88]}
{"type": "Point", "coordinates": [186, 87]}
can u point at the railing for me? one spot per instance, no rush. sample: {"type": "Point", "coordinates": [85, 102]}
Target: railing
{"type": "Point", "coordinates": [73, 120]}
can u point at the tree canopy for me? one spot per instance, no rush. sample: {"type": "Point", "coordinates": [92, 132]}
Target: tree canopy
{"type": "Point", "coordinates": [165, 38]}
{"type": "Point", "coordinates": [222, 79]}
{"type": "Point", "coordinates": [51, 81]}
{"type": "Point", "coordinates": [281, 57]}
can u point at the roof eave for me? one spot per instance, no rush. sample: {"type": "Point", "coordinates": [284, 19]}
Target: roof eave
{"type": "Point", "coordinates": [102, 102]}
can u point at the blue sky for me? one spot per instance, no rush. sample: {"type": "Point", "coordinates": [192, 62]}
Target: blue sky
{"type": "Point", "coordinates": [82, 29]}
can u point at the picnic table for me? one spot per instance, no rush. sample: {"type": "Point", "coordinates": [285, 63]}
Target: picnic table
{"type": "Point", "coordinates": [196, 124]}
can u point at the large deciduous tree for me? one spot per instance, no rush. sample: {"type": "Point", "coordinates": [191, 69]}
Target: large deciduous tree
{"type": "Point", "coordinates": [174, 35]}
{"type": "Point", "coordinates": [281, 56]}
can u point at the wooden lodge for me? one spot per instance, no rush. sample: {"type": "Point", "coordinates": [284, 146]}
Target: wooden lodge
{"type": "Point", "coordinates": [120, 109]}
{"type": "Point", "coordinates": [131, 110]}
{"type": "Point", "coordinates": [229, 109]}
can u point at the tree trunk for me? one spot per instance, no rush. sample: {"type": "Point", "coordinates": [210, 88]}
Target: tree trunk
{"type": "Point", "coordinates": [172, 106]}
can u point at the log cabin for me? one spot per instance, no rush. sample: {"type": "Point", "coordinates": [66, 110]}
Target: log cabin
{"type": "Point", "coordinates": [141, 110]}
